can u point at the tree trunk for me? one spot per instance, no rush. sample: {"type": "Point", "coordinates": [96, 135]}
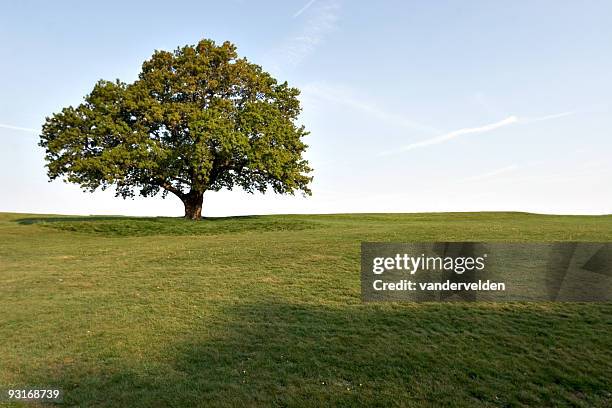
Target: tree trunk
{"type": "Point", "coordinates": [193, 205]}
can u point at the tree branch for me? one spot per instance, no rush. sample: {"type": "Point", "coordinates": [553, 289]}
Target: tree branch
{"type": "Point", "coordinates": [169, 187]}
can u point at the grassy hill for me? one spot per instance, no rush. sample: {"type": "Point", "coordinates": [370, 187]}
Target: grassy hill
{"type": "Point", "coordinates": [266, 310]}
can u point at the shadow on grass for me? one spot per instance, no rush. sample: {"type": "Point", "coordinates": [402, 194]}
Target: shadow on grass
{"type": "Point", "coordinates": [281, 354]}
{"type": "Point", "coordinates": [97, 218]}
{"type": "Point", "coordinates": [143, 226]}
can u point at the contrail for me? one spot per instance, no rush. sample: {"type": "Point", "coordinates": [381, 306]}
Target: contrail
{"type": "Point", "coordinates": [456, 133]}
{"type": "Point", "coordinates": [303, 9]}
{"type": "Point", "coordinates": [23, 129]}
{"type": "Point", "coordinates": [548, 117]}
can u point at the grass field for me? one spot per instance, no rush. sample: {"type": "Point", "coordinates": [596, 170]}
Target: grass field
{"type": "Point", "coordinates": [266, 310]}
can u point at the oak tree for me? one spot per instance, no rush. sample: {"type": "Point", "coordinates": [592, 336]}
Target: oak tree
{"type": "Point", "coordinates": [197, 119]}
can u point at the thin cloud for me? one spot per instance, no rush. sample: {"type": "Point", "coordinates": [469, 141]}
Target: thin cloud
{"type": "Point", "coordinates": [23, 129]}
{"type": "Point", "coordinates": [295, 49]}
{"type": "Point", "coordinates": [303, 9]}
{"type": "Point", "coordinates": [492, 174]}
{"type": "Point", "coordinates": [548, 117]}
{"type": "Point", "coordinates": [454, 134]}
{"type": "Point", "coordinates": [343, 97]}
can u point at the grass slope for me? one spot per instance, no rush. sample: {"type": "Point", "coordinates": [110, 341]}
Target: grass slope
{"type": "Point", "coordinates": [266, 310]}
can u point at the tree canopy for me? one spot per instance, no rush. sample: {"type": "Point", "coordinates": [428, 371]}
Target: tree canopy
{"type": "Point", "coordinates": [197, 119]}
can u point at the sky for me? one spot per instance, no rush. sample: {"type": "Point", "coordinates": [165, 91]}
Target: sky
{"type": "Point", "coordinates": [413, 106]}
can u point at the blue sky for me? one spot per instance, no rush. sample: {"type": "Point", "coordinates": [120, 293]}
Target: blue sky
{"type": "Point", "coordinates": [412, 106]}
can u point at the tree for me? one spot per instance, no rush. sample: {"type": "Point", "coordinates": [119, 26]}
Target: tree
{"type": "Point", "coordinates": [196, 119]}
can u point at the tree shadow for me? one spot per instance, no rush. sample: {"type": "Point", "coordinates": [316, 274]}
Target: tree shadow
{"type": "Point", "coordinates": [141, 226]}
{"type": "Point", "coordinates": [97, 218]}
{"type": "Point", "coordinates": [284, 354]}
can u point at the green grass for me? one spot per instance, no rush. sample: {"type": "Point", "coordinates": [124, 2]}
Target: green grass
{"type": "Point", "coordinates": [266, 310]}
